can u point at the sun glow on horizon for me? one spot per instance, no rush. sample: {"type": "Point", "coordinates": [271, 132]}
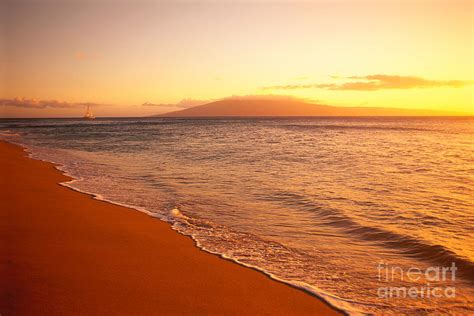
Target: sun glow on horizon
{"type": "Point", "coordinates": [394, 53]}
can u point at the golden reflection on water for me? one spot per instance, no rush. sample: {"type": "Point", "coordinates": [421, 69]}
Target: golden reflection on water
{"type": "Point", "coordinates": [318, 201]}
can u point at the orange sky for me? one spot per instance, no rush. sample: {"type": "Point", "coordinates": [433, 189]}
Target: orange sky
{"type": "Point", "coordinates": [57, 55]}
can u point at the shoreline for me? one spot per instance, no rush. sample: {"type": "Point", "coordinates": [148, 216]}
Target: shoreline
{"type": "Point", "coordinates": [81, 261]}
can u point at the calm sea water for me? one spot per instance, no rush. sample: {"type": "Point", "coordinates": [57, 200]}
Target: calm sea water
{"type": "Point", "coordinates": [322, 203]}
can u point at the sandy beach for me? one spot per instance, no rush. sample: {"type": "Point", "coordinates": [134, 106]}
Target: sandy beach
{"type": "Point", "coordinates": [64, 252]}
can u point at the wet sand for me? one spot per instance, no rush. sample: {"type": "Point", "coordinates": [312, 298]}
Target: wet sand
{"type": "Point", "coordinates": [63, 252]}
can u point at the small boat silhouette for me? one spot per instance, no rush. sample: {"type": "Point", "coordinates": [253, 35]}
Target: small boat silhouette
{"type": "Point", "coordinates": [89, 115]}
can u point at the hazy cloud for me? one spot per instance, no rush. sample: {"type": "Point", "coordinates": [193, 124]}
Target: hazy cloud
{"type": "Point", "coordinates": [376, 82]}
{"type": "Point", "coordinates": [41, 104]}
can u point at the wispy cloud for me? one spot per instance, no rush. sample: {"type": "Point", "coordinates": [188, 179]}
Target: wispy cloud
{"type": "Point", "coordinates": [376, 82]}
{"type": "Point", "coordinates": [41, 104]}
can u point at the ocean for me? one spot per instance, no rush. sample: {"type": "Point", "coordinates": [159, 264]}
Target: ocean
{"type": "Point", "coordinates": [345, 208]}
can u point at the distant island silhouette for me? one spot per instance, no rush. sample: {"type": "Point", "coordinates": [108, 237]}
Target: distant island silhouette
{"type": "Point", "coordinates": [262, 107]}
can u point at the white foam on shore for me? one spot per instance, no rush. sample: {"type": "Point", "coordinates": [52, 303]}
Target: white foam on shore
{"type": "Point", "coordinates": [8, 133]}
{"type": "Point", "coordinates": [176, 216]}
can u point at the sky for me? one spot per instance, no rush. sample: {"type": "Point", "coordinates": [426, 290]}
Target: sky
{"type": "Point", "coordinates": [133, 58]}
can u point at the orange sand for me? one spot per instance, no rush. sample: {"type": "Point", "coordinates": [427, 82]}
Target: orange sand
{"type": "Point", "coordinates": [62, 252]}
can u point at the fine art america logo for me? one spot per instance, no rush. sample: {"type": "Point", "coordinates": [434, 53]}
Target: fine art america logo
{"type": "Point", "coordinates": [431, 282]}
